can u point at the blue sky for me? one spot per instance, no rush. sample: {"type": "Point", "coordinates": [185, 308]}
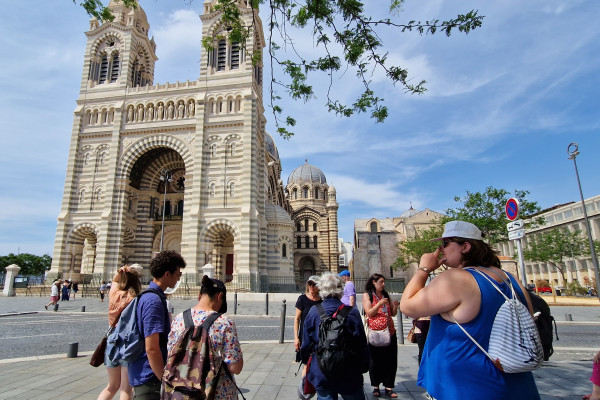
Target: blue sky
{"type": "Point", "coordinates": [503, 103]}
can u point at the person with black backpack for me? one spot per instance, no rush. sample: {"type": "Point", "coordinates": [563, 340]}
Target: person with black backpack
{"type": "Point", "coordinates": [334, 345]}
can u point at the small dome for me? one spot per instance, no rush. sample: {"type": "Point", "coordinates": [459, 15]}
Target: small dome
{"type": "Point", "coordinates": [307, 172]}
{"type": "Point", "coordinates": [270, 145]}
{"type": "Point", "coordinates": [409, 213]}
{"type": "Point", "coordinates": [331, 189]}
{"type": "Point", "coordinates": [276, 214]}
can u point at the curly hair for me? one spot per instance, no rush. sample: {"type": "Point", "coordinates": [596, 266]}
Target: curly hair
{"type": "Point", "coordinates": [130, 281]}
{"type": "Point", "coordinates": [330, 285]}
{"type": "Point", "coordinates": [164, 261]}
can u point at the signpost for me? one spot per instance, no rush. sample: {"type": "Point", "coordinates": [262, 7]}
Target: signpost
{"type": "Point", "coordinates": [516, 232]}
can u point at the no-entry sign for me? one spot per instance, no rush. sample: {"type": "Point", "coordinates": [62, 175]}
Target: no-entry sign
{"type": "Point", "coordinates": [512, 209]}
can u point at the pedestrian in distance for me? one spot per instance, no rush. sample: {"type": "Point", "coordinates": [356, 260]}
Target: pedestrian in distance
{"type": "Point", "coordinates": [303, 305]}
{"type": "Point", "coordinates": [379, 309]}
{"type": "Point", "coordinates": [222, 335]}
{"type": "Point", "coordinates": [75, 289]}
{"type": "Point", "coordinates": [126, 285]}
{"type": "Point", "coordinates": [349, 348]}
{"type": "Point", "coordinates": [595, 378]}
{"type": "Point", "coordinates": [102, 290]}
{"type": "Point", "coordinates": [54, 291]}
{"type": "Point", "coordinates": [452, 366]}
{"type": "Point", "coordinates": [146, 372]}
{"type": "Point", "coordinates": [65, 291]}
{"type": "Point", "coordinates": [349, 297]}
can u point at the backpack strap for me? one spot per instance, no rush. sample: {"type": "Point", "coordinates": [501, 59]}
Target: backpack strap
{"type": "Point", "coordinates": [509, 283]}
{"type": "Point", "coordinates": [322, 313]}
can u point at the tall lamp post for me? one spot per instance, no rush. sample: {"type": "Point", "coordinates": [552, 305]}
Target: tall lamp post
{"type": "Point", "coordinates": [573, 152]}
{"type": "Point", "coordinates": [166, 177]}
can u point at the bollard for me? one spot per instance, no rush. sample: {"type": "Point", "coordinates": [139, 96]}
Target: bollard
{"type": "Point", "coordinates": [267, 303]}
{"type": "Point", "coordinates": [55, 306]}
{"type": "Point", "coordinates": [235, 303]}
{"type": "Point", "coordinates": [568, 317]}
{"type": "Point", "coordinates": [400, 328]}
{"type": "Point", "coordinates": [282, 322]}
{"type": "Point", "coordinates": [82, 308]}
{"type": "Point", "coordinates": [73, 347]}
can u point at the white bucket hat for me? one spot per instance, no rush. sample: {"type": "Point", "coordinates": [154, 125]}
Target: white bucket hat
{"type": "Point", "coordinates": [461, 229]}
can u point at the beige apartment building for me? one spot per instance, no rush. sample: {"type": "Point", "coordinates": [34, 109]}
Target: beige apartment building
{"type": "Point", "coordinates": [565, 216]}
{"type": "Point", "coordinates": [195, 152]}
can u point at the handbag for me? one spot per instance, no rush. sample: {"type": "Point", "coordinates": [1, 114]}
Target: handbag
{"type": "Point", "coordinates": [411, 337]}
{"type": "Point", "coordinates": [380, 338]}
{"type": "Point", "coordinates": [97, 358]}
{"type": "Point", "coordinates": [306, 389]}
{"type": "Point", "coordinates": [98, 355]}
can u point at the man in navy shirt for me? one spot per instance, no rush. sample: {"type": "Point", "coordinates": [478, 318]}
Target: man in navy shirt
{"type": "Point", "coordinates": [145, 373]}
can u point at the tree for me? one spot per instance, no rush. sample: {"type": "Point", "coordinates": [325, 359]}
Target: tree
{"type": "Point", "coordinates": [30, 264]}
{"type": "Point", "coordinates": [554, 245]}
{"type": "Point", "coordinates": [413, 248]}
{"type": "Point", "coordinates": [344, 34]}
{"type": "Point", "coordinates": [487, 211]}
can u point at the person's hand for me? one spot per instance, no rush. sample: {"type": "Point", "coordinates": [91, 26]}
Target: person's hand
{"type": "Point", "coordinates": [431, 261]}
{"type": "Point", "coordinates": [383, 302]}
{"type": "Point", "coordinates": [297, 344]}
{"type": "Point", "coordinates": [597, 358]}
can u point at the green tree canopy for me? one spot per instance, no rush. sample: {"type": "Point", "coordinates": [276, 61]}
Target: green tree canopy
{"type": "Point", "coordinates": [487, 211]}
{"type": "Point", "coordinates": [554, 246]}
{"type": "Point", "coordinates": [345, 37]}
{"type": "Point", "coordinates": [30, 264]}
{"type": "Point", "coordinates": [414, 247]}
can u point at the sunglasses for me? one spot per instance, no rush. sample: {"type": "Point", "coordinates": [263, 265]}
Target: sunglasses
{"type": "Point", "coordinates": [446, 242]}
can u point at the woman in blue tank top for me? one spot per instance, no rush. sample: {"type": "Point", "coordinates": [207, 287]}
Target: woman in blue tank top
{"type": "Point", "coordinates": [452, 367]}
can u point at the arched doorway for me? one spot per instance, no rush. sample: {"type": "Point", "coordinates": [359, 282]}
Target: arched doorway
{"type": "Point", "coordinates": [81, 247]}
{"type": "Point", "coordinates": [220, 238]}
{"type": "Point", "coordinates": [307, 266]}
{"type": "Point", "coordinates": [156, 199]}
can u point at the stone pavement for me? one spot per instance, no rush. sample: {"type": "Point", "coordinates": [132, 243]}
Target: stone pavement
{"type": "Point", "coordinates": [268, 374]}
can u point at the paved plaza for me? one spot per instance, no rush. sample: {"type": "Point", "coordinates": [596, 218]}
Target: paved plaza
{"type": "Point", "coordinates": [269, 372]}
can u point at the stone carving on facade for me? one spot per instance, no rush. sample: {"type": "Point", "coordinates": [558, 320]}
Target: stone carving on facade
{"type": "Point", "coordinates": [161, 112]}
{"type": "Point", "coordinates": [150, 113]}
{"type": "Point", "coordinates": [180, 110]}
{"type": "Point", "coordinates": [192, 108]}
{"type": "Point", "coordinates": [170, 110]}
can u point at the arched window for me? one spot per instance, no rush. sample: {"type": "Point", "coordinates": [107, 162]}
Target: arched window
{"type": "Point", "coordinates": [295, 194]}
{"type": "Point", "coordinates": [298, 227]}
{"type": "Point", "coordinates": [307, 241]}
{"type": "Point", "coordinates": [103, 69]}
{"type": "Point", "coordinates": [180, 208]}
{"type": "Point", "coordinates": [315, 241]}
{"type": "Point", "coordinates": [232, 189]}
{"type": "Point", "coordinates": [306, 193]}
{"type": "Point", "coordinates": [167, 208]}
{"type": "Point", "coordinates": [114, 68]}
{"type": "Point", "coordinates": [306, 224]}
{"type": "Point", "coordinates": [212, 190]}
{"type": "Point", "coordinates": [221, 55]}
{"type": "Point", "coordinates": [283, 251]}
{"type": "Point", "coordinates": [235, 55]}
{"type": "Point", "coordinates": [373, 227]}
{"type": "Point", "coordinates": [314, 226]}
{"type": "Point", "coordinates": [316, 193]}
{"type": "Point", "coordinates": [298, 242]}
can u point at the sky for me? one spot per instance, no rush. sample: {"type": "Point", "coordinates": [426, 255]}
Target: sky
{"type": "Point", "coordinates": [502, 105]}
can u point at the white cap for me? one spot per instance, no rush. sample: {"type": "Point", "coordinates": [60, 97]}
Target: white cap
{"type": "Point", "coordinates": [461, 229]}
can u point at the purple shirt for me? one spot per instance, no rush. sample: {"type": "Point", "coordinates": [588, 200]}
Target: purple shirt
{"type": "Point", "coordinates": [349, 291]}
{"type": "Point", "coordinates": [152, 318]}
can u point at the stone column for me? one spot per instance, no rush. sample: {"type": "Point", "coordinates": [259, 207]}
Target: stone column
{"type": "Point", "coordinates": [11, 272]}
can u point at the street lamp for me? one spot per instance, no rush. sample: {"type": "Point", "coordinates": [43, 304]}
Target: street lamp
{"type": "Point", "coordinates": [573, 152]}
{"type": "Point", "coordinates": [166, 177]}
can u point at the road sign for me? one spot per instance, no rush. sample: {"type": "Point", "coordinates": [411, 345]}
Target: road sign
{"type": "Point", "coordinates": [513, 226]}
{"type": "Point", "coordinates": [512, 209]}
{"type": "Point", "coordinates": [518, 234]}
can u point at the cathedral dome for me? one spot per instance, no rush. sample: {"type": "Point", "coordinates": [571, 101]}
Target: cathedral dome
{"type": "Point", "coordinates": [270, 145]}
{"type": "Point", "coordinates": [409, 213]}
{"type": "Point", "coordinates": [276, 214]}
{"type": "Point", "coordinates": [307, 172]}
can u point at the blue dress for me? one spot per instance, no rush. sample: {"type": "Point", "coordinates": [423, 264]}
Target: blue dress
{"type": "Point", "coordinates": [453, 368]}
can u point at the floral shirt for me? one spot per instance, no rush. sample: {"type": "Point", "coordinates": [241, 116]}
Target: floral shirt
{"type": "Point", "coordinates": [224, 341]}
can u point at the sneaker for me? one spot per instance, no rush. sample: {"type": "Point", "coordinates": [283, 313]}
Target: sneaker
{"type": "Point", "coordinates": [46, 307]}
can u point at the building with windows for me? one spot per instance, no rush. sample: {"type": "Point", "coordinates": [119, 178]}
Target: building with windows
{"type": "Point", "coordinates": [195, 152]}
{"type": "Point", "coordinates": [346, 250]}
{"type": "Point", "coordinates": [314, 209]}
{"type": "Point", "coordinates": [570, 217]}
{"type": "Point", "coordinates": [375, 242]}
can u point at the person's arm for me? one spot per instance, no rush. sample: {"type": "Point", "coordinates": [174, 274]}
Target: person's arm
{"type": "Point", "coordinates": [454, 290]}
{"type": "Point", "coordinates": [297, 318]}
{"type": "Point", "coordinates": [353, 295]}
{"type": "Point", "coordinates": [372, 309]}
{"type": "Point", "coordinates": [236, 368]}
{"type": "Point", "coordinates": [154, 355]}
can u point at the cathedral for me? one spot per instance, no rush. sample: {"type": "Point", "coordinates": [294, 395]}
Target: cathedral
{"type": "Point", "coordinates": [185, 166]}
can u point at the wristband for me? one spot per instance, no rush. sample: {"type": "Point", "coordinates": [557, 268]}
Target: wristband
{"type": "Point", "coordinates": [424, 270]}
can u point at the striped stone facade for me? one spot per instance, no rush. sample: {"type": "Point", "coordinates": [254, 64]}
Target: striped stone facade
{"type": "Point", "coordinates": [223, 201]}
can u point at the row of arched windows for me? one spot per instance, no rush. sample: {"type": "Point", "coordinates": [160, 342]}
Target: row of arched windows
{"type": "Point", "coordinates": [105, 68]}
{"type": "Point", "coordinates": [225, 56]}
{"type": "Point", "coordinates": [307, 242]}
{"type": "Point", "coordinates": [222, 105]}
{"type": "Point", "coordinates": [306, 226]}
{"type": "Point", "coordinates": [103, 116]}
{"type": "Point", "coordinates": [304, 193]}
{"type": "Point", "coordinates": [171, 110]}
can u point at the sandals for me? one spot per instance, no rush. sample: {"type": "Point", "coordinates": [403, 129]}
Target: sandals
{"type": "Point", "coordinates": [376, 392]}
{"type": "Point", "coordinates": [390, 393]}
